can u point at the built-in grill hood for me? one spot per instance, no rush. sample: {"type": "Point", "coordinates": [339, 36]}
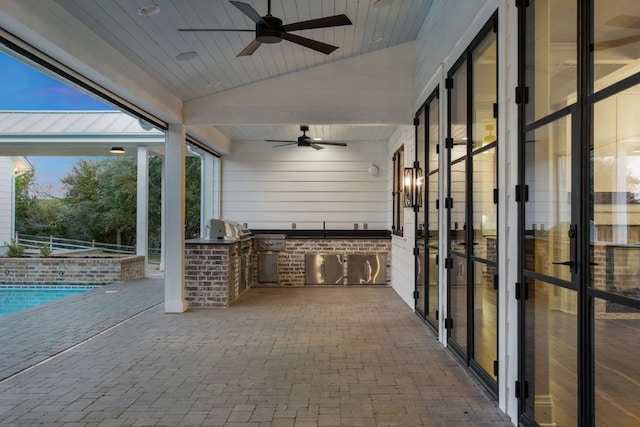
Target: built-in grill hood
{"type": "Point", "coordinates": [224, 229]}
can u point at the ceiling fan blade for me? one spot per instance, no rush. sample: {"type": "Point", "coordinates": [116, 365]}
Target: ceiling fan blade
{"type": "Point", "coordinates": [609, 44]}
{"type": "Point", "coordinates": [329, 21]}
{"type": "Point", "coordinates": [251, 47]}
{"type": "Point", "coordinates": [311, 44]}
{"type": "Point", "coordinates": [214, 29]}
{"type": "Point", "coordinates": [624, 21]}
{"type": "Point", "coordinates": [316, 146]}
{"type": "Point", "coordinates": [283, 145]}
{"type": "Point", "coordinates": [339, 144]}
{"type": "Point", "coordinates": [248, 10]}
{"type": "Point", "coordinates": [281, 140]}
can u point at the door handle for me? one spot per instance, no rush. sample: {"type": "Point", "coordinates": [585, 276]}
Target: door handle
{"type": "Point", "coordinates": [367, 271]}
{"type": "Point", "coordinates": [569, 263]}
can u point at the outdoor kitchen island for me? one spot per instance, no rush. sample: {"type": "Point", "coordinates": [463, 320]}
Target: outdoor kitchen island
{"type": "Point", "coordinates": [219, 270]}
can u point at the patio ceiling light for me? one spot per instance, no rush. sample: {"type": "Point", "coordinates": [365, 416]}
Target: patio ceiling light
{"type": "Point", "coordinates": [117, 150]}
{"type": "Point", "coordinates": [150, 10]}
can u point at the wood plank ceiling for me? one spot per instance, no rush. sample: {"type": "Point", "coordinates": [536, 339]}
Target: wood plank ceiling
{"type": "Point", "coordinates": [154, 43]}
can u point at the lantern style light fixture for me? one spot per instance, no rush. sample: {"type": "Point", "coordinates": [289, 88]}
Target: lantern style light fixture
{"type": "Point", "coordinates": [413, 181]}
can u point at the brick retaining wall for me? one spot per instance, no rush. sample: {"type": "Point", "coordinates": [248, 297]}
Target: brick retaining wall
{"type": "Point", "coordinates": [74, 270]}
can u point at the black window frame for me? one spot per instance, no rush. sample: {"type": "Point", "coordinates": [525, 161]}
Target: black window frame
{"type": "Point", "coordinates": [397, 227]}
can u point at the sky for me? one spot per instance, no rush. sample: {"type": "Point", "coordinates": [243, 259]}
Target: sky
{"type": "Point", "coordinates": [25, 88]}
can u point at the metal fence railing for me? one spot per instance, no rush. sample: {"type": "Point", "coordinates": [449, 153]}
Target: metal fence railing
{"type": "Point", "coordinates": [58, 243]}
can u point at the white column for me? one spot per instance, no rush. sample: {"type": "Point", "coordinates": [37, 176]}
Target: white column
{"type": "Point", "coordinates": [142, 208]}
{"type": "Point", "coordinates": [217, 183]}
{"type": "Point", "coordinates": [163, 221]}
{"type": "Point", "coordinates": [174, 214]}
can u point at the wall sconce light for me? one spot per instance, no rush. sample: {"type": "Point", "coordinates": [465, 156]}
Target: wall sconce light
{"type": "Point", "coordinates": [413, 181]}
{"type": "Point", "coordinates": [117, 150]}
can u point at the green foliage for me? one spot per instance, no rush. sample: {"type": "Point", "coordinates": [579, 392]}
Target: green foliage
{"type": "Point", "coordinates": [45, 251]}
{"type": "Point", "coordinates": [100, 203]}
{"type": "Point", "coordinates": [192, 197]}
{"type": "Point", "coordinates": [15, 250]}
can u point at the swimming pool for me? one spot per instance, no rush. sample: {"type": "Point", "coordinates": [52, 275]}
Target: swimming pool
{"type": "Point", "coordinates": [18, 297]}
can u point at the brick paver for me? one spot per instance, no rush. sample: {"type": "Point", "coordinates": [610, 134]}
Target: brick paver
{"type": "Point", "coordinates": [325, 356]}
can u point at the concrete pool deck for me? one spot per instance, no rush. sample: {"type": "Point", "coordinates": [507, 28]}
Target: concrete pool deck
{"type": "Point", "coordinates": [321, 356]}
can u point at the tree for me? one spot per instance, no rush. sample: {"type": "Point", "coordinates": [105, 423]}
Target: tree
{"type": "Point", "coordinates": [82, 196]}
{"type": "Point", "coordinates": [33, 215]}
{"type": "Point", "coordinates": [25, 204]}
{"type": "Point", "coordinates": [100, 203]}
{"type": "Point", "coordinates": [192, 196]}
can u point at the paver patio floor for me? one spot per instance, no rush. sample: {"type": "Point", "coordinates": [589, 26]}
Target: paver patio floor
{"type": "Point", "coordinates": [325, 356]}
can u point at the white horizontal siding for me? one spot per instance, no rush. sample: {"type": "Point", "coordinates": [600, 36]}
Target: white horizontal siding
{"type": "Point", "coordinates": [402, 258]}
{"type": "Point", "coordinates": [274, 188]}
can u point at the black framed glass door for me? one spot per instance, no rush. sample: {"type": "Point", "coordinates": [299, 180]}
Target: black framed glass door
{"type": "Point", "coordinates": [472, 256]}
{"type": "Point", "coordinates": [427, 294]}
{"type": "Point", "coordinates": [579, 192]}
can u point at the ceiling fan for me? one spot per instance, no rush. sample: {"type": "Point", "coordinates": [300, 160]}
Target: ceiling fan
{"type": "Point", "coordinates": [306, 141]}
{"type": "Point", "coordinates": [621, 21]}
{"type": "Point", "coordinates": [270, 29]}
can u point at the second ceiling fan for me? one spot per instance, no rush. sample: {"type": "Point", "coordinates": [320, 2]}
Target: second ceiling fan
{"type": "Point", "coordinates": [270, 29]}
{"type": "Point", "coordinates": [306, 141]}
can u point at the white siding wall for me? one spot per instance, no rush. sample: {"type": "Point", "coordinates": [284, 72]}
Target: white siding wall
{"type": "Point", "coordinates": [6, 205]}
{"type": "Point", "coordinates": [402, 259]}
{"type": "Point", "coordinates": [272, 188]}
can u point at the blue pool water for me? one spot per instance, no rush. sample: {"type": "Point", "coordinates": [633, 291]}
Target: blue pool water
{"type": "Point", "coordinates": [18, 297]}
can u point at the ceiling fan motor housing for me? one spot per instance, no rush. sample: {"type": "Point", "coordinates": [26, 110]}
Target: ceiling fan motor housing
{"type": "Point", "coordinates": [269, 30]}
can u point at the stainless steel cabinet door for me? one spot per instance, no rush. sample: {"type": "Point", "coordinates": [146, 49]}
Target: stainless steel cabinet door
{"type": "Point", "coordinates": [267, 268]}
{"type": "Point", "coordinates": [323, 269]}
{"type": "Point", "coordinates": [366, 270]}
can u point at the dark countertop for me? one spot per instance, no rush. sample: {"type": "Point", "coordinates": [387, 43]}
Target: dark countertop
{"type": "Point", "coordinates": [213, 241]}
{"type": "Point", "coordinates": [328, 234]}
{"type": "Point", "coordinates": [300, 234]}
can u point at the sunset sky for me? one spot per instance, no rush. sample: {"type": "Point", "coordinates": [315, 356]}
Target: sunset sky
{"type": "Point", "coordinates": [25, 88]}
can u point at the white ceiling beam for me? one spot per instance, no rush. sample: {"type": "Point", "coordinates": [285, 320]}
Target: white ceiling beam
{"type": "Point", "coordinates": [375, 88]}
{"type": "Point", "coordinates": [211, 137]}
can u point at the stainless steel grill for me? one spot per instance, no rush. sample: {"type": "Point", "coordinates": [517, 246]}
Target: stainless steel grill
{"type": "Point", "coordinates": [269, 242]}
{"type": "Point", "coordinates": [223, 229]}
{"type": "Point", "coordinates": [267, 246]}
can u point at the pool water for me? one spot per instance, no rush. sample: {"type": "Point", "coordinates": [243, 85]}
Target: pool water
{"type": "Point", "coordinates": [18, 297]}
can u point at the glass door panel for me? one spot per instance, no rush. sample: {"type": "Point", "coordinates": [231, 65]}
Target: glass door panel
{"type": "Point", "coordinates": [458, 99]}
{"type": "Point", "coordinates": [458, 302]}
{"type": "Point", "coordinates": [485, 317]}
{"type": "Point", "coordinates": [458, 193]}
{"type": "Point", "coordinates": [485, 59]}
{"type": "Point", "coordinates": [485, 215]}
{"type": "Point", "coordinates": [617, 372]}
{"type": "Point", "coordinates": [421, 162]}
{"type": "Point", "coordinates": [433, 136]}
{"type": "Point", "coordinates": [615, 239]}
{"type": "Point", "coordinates": [616, 41]}
{"type": "Point", "coordinates": [420, 294]}
{"type": "Point", "coordinates": [551, 56]}
{"type": "Point", "coordinates": [551, 344]}
{"type": "Point", "coordinates": [548, 209]}
{"type": "Point", "coordinates": [615, 255]}
{"type": "Point", "coordinates": [433, 284]}
{"type": "Point", "coordinates": [433, 180]}
{"type": "Point", "coordinates": [421, 270]}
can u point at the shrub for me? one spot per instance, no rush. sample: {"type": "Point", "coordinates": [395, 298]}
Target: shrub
{"type": "Point", "coordinates": [15, 250]}
{"type": "Point", "coordinates": [45, 251]}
